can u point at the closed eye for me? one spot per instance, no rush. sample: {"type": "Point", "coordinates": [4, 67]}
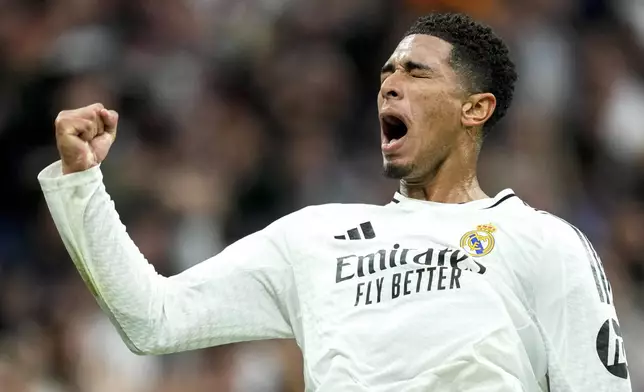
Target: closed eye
{"type": "Point", "coordinates": [422, 74]}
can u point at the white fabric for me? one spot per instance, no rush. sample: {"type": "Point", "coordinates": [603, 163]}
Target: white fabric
{"type": "Point", "coordinates": [425, 317]}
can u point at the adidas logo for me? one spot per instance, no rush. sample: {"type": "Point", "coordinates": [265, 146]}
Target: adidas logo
{"type": "Point", "coordinates": [354, 234]}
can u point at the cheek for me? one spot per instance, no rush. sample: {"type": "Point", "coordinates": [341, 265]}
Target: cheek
{"type": "Point", "coordinates": [441, 110]}
{"type": "Point", "coordinates": [438, 116]}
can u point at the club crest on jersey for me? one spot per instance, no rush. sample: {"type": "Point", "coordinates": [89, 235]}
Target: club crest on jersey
{"type": "Point", "coordinates": [479, 242]}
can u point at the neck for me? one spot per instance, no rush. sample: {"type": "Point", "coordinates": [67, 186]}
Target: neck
{"type": "Point", "coordinates": [452, 181]}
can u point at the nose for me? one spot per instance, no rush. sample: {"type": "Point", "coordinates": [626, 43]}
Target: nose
{"type": "Point", "coordinates": [391, 88]}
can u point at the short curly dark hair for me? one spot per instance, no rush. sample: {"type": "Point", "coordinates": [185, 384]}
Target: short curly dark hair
{"type": "Point", "coordinates": [478, 54]}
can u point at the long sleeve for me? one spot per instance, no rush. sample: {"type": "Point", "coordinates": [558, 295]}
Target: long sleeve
{"type": "Point", "coordinates": [574, 306]}
{"type": "Point", "coordinates": [244, 293]}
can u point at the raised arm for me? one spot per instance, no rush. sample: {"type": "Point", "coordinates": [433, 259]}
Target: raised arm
{"type": "Point", "coordinates": [244, 293]}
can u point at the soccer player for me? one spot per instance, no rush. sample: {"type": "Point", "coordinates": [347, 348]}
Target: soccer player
{"type": "Point", "coordinates": [443, 289]}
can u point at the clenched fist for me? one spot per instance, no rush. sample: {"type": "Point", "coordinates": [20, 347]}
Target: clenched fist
{"type": "Point", "coordinates": [84, 136]}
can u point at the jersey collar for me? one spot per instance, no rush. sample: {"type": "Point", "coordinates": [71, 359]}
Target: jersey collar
{"type": "Point", "coordinates": [482, 204]}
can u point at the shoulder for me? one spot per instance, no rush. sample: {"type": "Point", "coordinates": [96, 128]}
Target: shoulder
{"type": "Point", "coordinates": [558, 235]}
{"type": "Point", "coordinates": [570, 258]}
{"type": "Point", "coordinates": [556, 252]}
{"type": "Point", "coordinates": [542, 233]}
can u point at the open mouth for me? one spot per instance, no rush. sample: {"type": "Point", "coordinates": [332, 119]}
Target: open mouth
{"type": "Point", "coordinates": [393, 127]}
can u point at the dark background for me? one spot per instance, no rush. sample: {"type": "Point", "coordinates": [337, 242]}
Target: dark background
{"type": "Point", "coordinates": [234, 113]}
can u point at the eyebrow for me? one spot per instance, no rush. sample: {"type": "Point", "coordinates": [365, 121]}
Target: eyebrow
{"type": "Point", "coordinates": [407, 65]}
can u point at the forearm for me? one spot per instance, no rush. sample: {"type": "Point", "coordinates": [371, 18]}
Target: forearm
{"type": "Point", "coordinates": [118, 275]}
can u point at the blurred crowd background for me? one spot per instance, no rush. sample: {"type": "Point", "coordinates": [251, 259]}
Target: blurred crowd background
{"type": "Point", "coordinates": [236, 112]}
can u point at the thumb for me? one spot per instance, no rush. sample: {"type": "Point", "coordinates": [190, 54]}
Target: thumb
{"type": "Point", "coordinates": [110, 120]}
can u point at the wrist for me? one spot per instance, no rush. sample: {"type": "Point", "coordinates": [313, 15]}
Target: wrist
{"type": "Point", "coordinates": [71, 169]}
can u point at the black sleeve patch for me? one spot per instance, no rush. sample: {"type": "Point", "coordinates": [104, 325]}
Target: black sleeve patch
{"type": "Point", "coordinates": [610, 348]}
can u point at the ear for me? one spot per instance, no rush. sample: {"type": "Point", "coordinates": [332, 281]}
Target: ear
{"type": "Point", "coordinates": [478, 109]}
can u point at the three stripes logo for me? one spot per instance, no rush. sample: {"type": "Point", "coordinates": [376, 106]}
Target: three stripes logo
{"type": "Point", "coordinates": [602, 284]}
{"type": "Point", "coordinates": [365, 231]}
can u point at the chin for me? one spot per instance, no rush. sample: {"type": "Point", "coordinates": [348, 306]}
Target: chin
{"type": "Point", "coordinates": [397, 170]}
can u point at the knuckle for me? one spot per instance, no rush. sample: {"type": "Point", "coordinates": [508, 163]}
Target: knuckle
{"type": "Point", "coordinates": [87, 124]}
{"type": "Point", "coordinates": [82, 119]}
{"type": "Point", "coordinates": [61, 119]}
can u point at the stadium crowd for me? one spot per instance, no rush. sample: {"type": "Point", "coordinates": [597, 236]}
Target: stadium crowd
{"type": "Point", "coordinates": [234, 113]}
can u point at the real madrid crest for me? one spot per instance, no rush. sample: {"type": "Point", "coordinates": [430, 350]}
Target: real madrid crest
{"type": "Point", "coordinates": [479, 242]}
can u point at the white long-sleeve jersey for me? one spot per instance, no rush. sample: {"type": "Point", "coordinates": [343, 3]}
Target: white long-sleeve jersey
{"type": "Point", "coordinates": [488, 296]}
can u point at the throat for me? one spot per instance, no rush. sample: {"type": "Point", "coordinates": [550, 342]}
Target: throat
{"type": "Point", "coordinates": [446, 183]}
